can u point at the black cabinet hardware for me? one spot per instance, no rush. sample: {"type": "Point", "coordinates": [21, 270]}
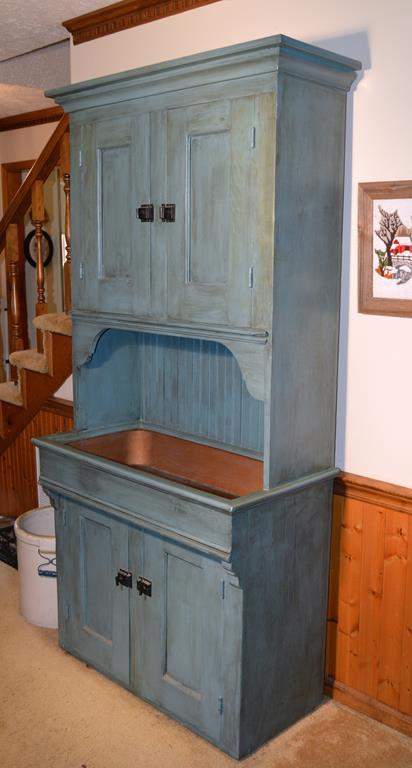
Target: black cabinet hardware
{"type": "Point", "coordinates": [145, 212]}
{"type": "Point", "coordinates": [123, 578]}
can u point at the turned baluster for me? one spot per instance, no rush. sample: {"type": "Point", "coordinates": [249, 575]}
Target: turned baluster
{"type": "Point", "coordinates": [65, 170]}
{"type": "Point", "coordinates": [67, 263]}
{"type": "Point", "coordinates": [16, 331]}
{"type": "Point", "coordinates": [38, 219]}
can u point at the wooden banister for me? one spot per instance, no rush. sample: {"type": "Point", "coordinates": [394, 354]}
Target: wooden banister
{"type": "Point", "coordinates": [39, 172]}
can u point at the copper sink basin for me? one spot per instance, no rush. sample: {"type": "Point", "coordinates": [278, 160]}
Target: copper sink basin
{"type": "Point", "coordinates": [200, 466]}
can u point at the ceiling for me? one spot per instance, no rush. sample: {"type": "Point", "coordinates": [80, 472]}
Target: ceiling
{"type": "Point", "coordinates": [25, 71]}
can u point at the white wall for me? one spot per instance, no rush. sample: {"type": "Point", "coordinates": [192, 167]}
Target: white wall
{"type": "Point", "coordinates": [374, 416]}
{"type": "Point", "coordinates": [23, 144]}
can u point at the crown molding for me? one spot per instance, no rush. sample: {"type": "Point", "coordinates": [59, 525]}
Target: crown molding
{"type": "Point", "coordinates": [126, 14]}
{"type": "Point", "coordinates": [27, 119]}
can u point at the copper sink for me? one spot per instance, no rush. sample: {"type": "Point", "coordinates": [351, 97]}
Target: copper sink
{"type": "Point", "coordinates": [200, 466]}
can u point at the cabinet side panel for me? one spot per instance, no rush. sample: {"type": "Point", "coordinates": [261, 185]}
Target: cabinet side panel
{"type": "Point", "coordinates": [308, 229]}
{"type": "Point", "coordinates": [106, 387]}
{"type": "Point", "coordinates": [285, 596]}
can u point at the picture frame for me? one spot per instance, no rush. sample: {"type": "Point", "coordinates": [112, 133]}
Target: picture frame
{"type": "Point", "coordinates": [385, 248]}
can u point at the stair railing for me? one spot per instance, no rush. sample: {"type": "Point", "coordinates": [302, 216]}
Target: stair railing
{"type": "Point", "coordinates": [31, 194]}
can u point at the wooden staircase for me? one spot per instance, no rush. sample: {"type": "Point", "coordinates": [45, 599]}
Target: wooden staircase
{"type": "Point", "coordinates": [36, 373]}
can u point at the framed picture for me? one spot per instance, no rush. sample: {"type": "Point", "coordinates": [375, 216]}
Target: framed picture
{"type": "Point", "coordinates": [385, 248]}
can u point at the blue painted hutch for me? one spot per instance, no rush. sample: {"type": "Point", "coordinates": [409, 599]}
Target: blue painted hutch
{"type": "Point", "coordinates": [193, 499]}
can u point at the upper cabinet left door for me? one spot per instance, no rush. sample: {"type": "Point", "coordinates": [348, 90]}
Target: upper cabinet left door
{"type": "Point", "coordinates": [112, 180]}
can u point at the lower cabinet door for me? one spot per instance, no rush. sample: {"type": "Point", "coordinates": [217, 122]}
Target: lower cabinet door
{"type": "Point", "coordinates": [176, 660]}
{"type": "Point", "coordinates": [93, 610]}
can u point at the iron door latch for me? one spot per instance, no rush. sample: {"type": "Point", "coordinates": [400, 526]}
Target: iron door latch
{"type": "Point", "coordinates": [123, 578]}
{"type": "Point", "coordinates": [168, 212]}
{"type": "Point", "coordinates": [145, 212]}
{"type": "Point", "coordinates": [144, 586]}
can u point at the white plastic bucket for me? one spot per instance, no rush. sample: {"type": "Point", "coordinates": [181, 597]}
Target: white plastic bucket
{"type": "Point", "coordinates": [36, 558]}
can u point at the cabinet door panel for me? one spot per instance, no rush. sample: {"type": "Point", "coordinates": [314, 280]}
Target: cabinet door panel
{"type": "Point", "coordinates": [114, 182]}
{"type": "Point", "coordinates": [94, 612]}
{"type": "Point", "coordinates": [212, 180]}
{"type": "Point", "coordinates": [181, 636]}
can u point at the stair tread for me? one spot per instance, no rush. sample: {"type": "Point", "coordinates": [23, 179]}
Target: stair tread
{"type": "Point", "coordinates": [10, 393]}
{"type": "Point", "coordinates": [57, 322]}
{"type": "Point", "coordinates": [30, 359]}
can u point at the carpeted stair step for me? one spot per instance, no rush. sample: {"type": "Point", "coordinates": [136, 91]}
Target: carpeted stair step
{"type": "Point", "coordinates": [10, 393]}
{"type": "Point", "coordinates": [56, 322]}
{"type": "Point", "coordinates": [30, 359]}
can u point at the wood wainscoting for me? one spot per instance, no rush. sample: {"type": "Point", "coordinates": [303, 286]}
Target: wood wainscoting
{"type": "Point", "coordinates": [369, 640]}
{"type": "Point", "coordinates": [18, 477]}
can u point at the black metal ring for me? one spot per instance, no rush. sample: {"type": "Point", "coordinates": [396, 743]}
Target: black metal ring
{"type": "Point", "coordinates": [27, 243]}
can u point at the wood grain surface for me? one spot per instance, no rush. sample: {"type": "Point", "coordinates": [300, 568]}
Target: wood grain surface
{"type": "Point", "coordinates": [369, 649]}
{"type": "Point", "coordinates": [18, 485]}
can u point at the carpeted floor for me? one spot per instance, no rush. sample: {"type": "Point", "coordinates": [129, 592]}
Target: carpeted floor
{"type": "Point", "coordinates": [56, 712]}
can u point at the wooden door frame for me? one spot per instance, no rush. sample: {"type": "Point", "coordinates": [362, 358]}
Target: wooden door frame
{"type": "Point", "coordinates": [10, 183]}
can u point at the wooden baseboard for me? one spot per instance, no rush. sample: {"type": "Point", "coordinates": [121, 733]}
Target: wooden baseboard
{"type": "Point", "coordinates": [367, 706]}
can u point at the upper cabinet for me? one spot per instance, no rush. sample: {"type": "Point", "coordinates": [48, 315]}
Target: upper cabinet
{"type": "Point", "coordinates": [207, 203]}
{"type": "Point", "coordinates": [168, 202]}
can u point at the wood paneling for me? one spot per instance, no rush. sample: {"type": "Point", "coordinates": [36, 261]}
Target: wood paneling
{"type": "Point", "coordinates": [126, 14]}
{"type": "Point", "coordinates": [18, 483]}
{"type": "Point", "coordinates": [369, 647]}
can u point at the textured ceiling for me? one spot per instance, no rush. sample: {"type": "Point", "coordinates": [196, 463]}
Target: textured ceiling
{"type": "Point", "coordinates": [16, 99]}
{"type": "Point", "coordinates": [26, 27]}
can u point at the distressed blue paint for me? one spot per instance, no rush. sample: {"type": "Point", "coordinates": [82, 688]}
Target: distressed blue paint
{"type": "Point", "coordinates": [188, 386]}
{"type": "Point", "coordinates": [240, 663]}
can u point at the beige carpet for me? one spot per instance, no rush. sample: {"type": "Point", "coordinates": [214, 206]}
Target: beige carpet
{"type": "Point", "coordinates": [57, 713]}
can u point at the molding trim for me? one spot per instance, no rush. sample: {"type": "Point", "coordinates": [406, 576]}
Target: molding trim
{"type": "Point", "coordinates": [59, 407]}
{"type": "Point", "coordinates": [375, 492]}
{"type": "Point", "coordinates": [27, 119]}
{"type": "Point", "coordinates": [124, 15]}
{"type": "Point", "coordinates": [371, 707]}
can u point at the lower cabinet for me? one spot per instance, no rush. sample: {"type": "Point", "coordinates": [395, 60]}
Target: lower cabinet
{"type": "Point", "coordinates": [165, 644]}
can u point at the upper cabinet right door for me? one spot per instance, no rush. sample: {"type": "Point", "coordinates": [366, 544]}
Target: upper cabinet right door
{"type": "Point", "coordinates": [220, 172]}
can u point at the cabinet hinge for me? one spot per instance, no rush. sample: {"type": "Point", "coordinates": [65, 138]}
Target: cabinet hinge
{"type": "Point", "coordinates": [253, 137]}
{"type": "Point", "coordinates": [81, 270]}
{"type": "Point", "coordinates": [222, 589]}
{"type": "Point", "coordinates": [250, 279]}
{"type": "Point", "coordinates": [80, 159]}
{"type": "Point", "coordinates": [67, 613]}
{"type": "Point", "coordinates": [220, 705]}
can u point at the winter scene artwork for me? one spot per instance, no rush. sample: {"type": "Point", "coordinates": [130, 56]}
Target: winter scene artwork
{"type": "Point", "coordinates": [392, 249]}
{"type": "Point", "coordinates": [385, 247]}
